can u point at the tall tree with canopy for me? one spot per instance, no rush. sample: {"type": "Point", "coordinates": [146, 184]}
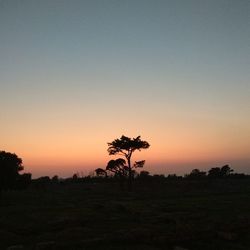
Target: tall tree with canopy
{"type": "Point", "coordinates": [126, 146]}
{"type": "Point", "coordinates": [10, 166]}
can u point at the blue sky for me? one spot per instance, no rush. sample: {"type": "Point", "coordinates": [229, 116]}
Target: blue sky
{"type": "Point", "coordinates": [135, 67]}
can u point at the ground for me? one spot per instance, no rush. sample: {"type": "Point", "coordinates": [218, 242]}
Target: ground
{"type": "Point", "coordinates": [178, 214]}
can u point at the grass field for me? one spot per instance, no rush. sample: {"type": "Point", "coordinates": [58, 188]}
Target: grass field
{"type": "Point", "coordinates": [181, 214]}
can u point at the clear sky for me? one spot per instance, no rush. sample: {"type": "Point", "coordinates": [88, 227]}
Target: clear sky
{"type": "Point", "coordinates": [77, 74]}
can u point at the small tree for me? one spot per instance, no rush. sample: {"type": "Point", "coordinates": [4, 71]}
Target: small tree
{"type": "Point", "coordinates": [100, 172]}
{"type": "Point", "coordinates": [126, 146]}
{"type": "Point", "coordinates": [226, 170]}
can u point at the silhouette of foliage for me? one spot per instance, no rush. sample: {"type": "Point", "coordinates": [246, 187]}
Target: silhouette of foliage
{"type": "Point", "coordinates": [217, 172]}
{"type": "Point", "coordinates": [55, 179]}
{"type": "Point", "coordinates": [75, 176]}
{"type": "Point", "coordinates": [196, 174]}
{"type": "Point", "coordinates": [214, 172]}
{"type": "Point", "coordinates": [100, 172]}
{"type": "Point", "coordinates": [173, 177]}
{"type": "Point", "coordinates": [126, 146]}
{"type": "Point", "coordinates": [118, 167]}
{"type": "Point", "coordinates": [226, 170]}
{"type": "Point", "coordinates": [144, 174]}
{"type": "Point", "coordinates": [10, 166]}
{"type": "Point", "coordinates": [139, 164]}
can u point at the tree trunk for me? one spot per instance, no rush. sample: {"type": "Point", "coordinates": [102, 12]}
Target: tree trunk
{"type": "Point", "coordinates": [129, 175]}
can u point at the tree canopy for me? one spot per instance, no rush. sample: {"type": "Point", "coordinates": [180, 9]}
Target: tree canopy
{"type": "Point", "coordinates": [126, 146]}
{"type": "Point", "coordinates": [10, 166]}
{"type": "Point", "coordinates": [118, 167]}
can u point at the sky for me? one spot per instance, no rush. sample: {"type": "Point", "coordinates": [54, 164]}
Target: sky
{"type": "Point", "coordinates": [77, 74]}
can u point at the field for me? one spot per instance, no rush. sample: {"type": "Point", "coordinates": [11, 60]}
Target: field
{"type": "Point", "coordinates": [178, 214]}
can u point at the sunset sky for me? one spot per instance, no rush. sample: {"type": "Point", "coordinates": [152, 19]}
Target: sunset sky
{"type": "Point", "coordinates": [77, 74]}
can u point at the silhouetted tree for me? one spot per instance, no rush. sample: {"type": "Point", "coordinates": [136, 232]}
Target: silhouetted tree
{"type": "Point", "coordinates": [196, 174]}
{"type": "Point", "coordinates": [214, 172]}
{"type": "Point", "coordinates": [101, 172]}
{"type": "Point", "coordinates": [144, 174]}
{"type": "Point", "coordinates": [10, 166]}
{"type": "Point", "coordinates": [126, 146]}
{"type": "Point", "coordinates": [226, 170]}
{"type": "Point", "coordinates": [75, 177]}
{"type": "Point", "coordinates": [55, 179]}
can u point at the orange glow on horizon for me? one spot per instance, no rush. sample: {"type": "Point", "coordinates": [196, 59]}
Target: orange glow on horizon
{"type": "Point", "coordinates": [65, 146]}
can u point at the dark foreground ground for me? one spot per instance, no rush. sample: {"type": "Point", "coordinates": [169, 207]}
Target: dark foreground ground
{"type": "Point", "coordinates": [180, 214]}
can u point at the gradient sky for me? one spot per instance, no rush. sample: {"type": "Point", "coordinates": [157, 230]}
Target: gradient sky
{"type": "Point", "coordinates": [75, 75]}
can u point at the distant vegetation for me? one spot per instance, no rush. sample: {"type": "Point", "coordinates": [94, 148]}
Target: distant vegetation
{"type": "Point", "coordinates": [111, 176]}
{"type": "Point", "coordinates": [117, 170]}
{"type": "Point", "coordinates": [123, 207]}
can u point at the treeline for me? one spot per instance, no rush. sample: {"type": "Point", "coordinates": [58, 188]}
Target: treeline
{"type": "Point", "coordinates": [224, 172]}
{"type": "Point", "coordinates": [214, 173]}
{"type": "Point", "coordinates": [24, 181]}
{"type": "Point", "coordinates": [117, 170]}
